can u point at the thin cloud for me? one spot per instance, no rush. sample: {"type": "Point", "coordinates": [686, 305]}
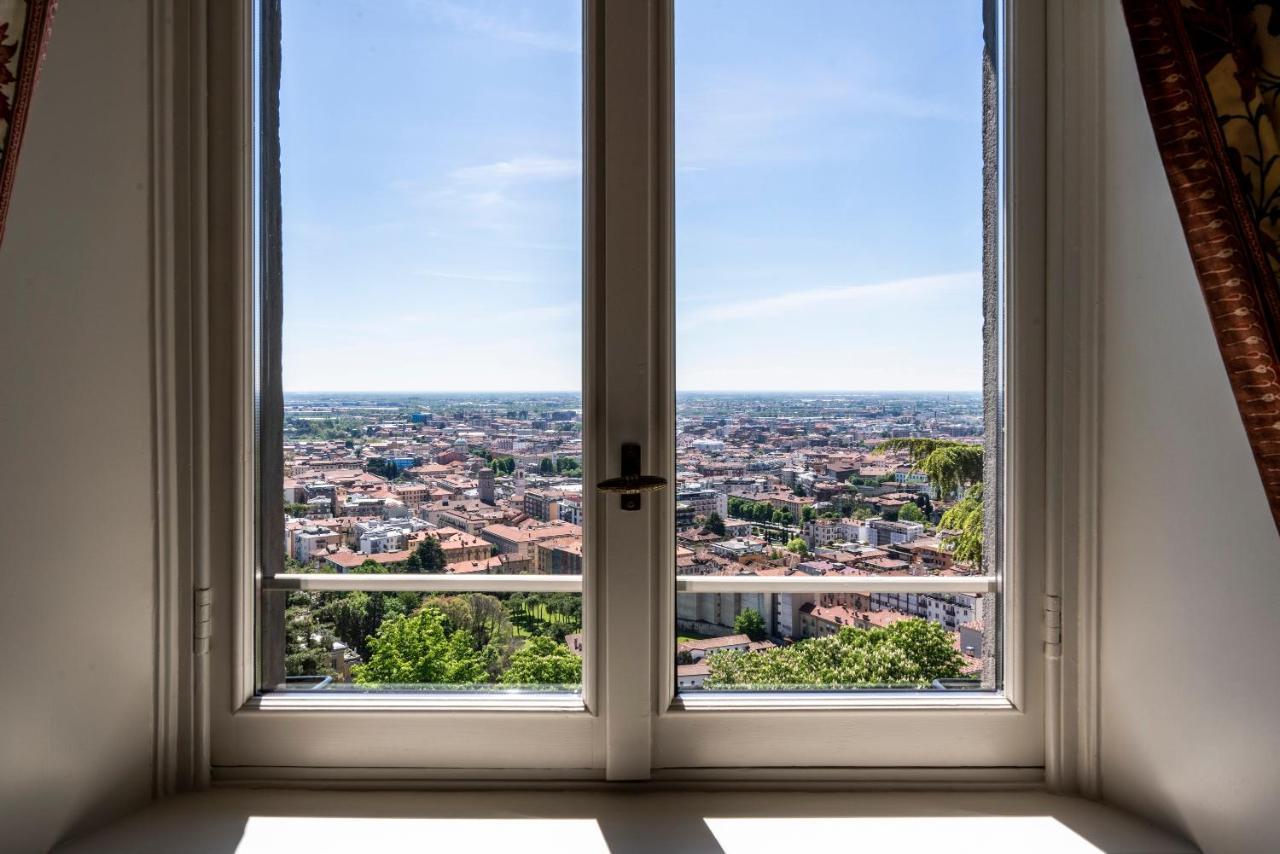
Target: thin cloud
{"type": "Point", "coordinates": [541, 314]}
{"type": "Point", "coordinates": [501, 29]}
{"type": "Point", "coordinates": [473, 276]}
{"type": "Point", "coordinates": [781, 305]}
{"type": "Point", "coordinates": [493, 195]}
{"type": "Point", "coordinates": [519, 169]}
{"type": "Point", "coordinates": [792, 115]}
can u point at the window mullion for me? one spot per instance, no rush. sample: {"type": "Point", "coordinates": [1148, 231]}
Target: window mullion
{"type": "Point", "coordinates": [625, 119]}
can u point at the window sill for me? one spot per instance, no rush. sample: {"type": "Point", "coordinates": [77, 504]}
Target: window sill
{"type": "Point", "coordinates": [445, 701]}
{"type": "Point", "coordinates": [898, 701]}
{"type": "Point", "coordinates": [623, 818]}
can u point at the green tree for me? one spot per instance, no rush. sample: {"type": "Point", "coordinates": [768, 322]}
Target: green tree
{"type": "Point", "coordinates": [482, 618]}
{"type": "Point", "coordinates": [907, 653]}
{"type": "Point", "coordinates": [966, 518]}
{"type": "Point", "coordinates": [417, 650]}
{"type": "Point", "coordinates": [806, 513]}
{"type": "Point", "coordinates": [307, 641]}
{"type": "Point", "coordinates": [382, 468]}
{"type": "Point", "coordinates": [298, 510]}
{"type": "Point", "coordinates": [356, 616]}
{"type": "Point", "coordinates": [798, 491]}
{"type": "Point", "coordinates": [543, 661]}
{"type": "Point", "coordinates": [371, 567]}
{"type": "Point", "coordinates": [949, 465]}
{"type": "Point", "coordinates": [714, 524]}
{"type": "Point", "coordinates": [427, 557]}
{"type": "Point", "coordinates": [546, 468]}
{"type": "Point", "coordinates": [911, 512]}
{"type": "Point", "coordinates": [798, 546]}
{"type": "Point", "coordinates": [751, 624]}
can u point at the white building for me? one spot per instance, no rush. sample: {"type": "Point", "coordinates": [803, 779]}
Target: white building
{"type": "Point", "coordinates": [881, 532]}
{"type": "Point", "coordinates": [313, 539]}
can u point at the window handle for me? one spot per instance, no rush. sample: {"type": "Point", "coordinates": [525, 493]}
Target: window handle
{"type": "Point", "coordinates": [631, 483]}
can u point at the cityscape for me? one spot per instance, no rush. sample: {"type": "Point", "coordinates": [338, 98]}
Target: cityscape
{"type": "Point", "coordinates": [767, 484]}
{"type": "Point", "coordinates": [451, 198]}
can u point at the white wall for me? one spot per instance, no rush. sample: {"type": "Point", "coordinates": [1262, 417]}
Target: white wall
{"type": "Point", "coordinates": [76, 581]}
{"type": "Point", "coordinates": [1190, 728]}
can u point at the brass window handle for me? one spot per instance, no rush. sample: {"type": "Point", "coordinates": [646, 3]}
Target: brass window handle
{"type": "Point", "coordinates": [631, 483]}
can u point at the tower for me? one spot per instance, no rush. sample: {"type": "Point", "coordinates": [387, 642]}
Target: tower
{"type": "Point", "coordinates": [486, 485]}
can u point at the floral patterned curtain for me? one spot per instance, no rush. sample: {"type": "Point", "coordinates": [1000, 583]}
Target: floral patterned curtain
{"type": "Point", "coordinates": [24, 32]}
{"type": "Point", "coordinates": [1210, 71]}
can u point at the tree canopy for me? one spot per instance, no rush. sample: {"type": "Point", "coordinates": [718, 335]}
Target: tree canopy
{"type": "Point", "coordinates": [418, 650]}
{"type": "Point", "coordinates": [909, 652]}
{"type": "Point", "coordinates": [543, 661]}
{"type": "Point", "coordinates": [751, 624]}
{"type": "Point", "coordinates": [357, 615]}
{"type": "Point", "coordinates": [966, 518]}
{"type": "Point", "coordinates": [949, 465]}
{"type": "Point", "coordinates": [952, 466]}
{"type": "Point", "coordinates": [427, 557]}
{"type": "Point", "coordinates": [714, 524]}
{"type": "Point", "coordinates": [798, 546]}
{"type": "Point", "coordinates": [307, 641]}
{"type": "Point", "coordinates": [911, 512]}
{"type": "Point", "coordinates": [758, 511]}
{"type": "Point", "coordinates": [382, 468]}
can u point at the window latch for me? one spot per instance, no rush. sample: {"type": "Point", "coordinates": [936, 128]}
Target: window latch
{"type": "Point", "coordinates": [631, 484]}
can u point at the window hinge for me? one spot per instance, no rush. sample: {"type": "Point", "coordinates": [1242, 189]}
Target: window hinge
{"type": "Point", "coordinates": [202, 619]}
{"type": "Point", "coordinates": [1052, 625]}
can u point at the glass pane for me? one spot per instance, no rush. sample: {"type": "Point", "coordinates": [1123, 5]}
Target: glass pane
{"type": "Point", "coordinates": [372, 641]}
{"type": "Point", "coordinates": [831, 416]}
{"type": "Point", "coordinates": [829, 641]}
{"type": "Point", "coordinates": [431, 343]}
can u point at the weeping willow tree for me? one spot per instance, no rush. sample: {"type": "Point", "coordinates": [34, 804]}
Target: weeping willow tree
{"type": "Point", "coordinates": [967, 520]}
{"type": "Point", "coordinates": [951, 467]}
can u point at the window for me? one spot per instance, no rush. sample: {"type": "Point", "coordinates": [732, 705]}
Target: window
{"type": "Point", "coordinates": [430, 269]}
{"type": "Point", "coordinates": [738, 248]}
{"type": "Point", "coordinates": [830, 411]}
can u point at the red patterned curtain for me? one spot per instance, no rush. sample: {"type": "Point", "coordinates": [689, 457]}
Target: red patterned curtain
{"type": "Point", "coordinates": [1210, 71]}
{"type": "Point", "coordinates": [24, 32]}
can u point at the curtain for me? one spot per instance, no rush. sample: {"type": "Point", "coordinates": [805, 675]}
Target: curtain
{"type": "Point", "coordinates": [1210, 72]}
{"type": "Point", "coordinates": [24, 32]}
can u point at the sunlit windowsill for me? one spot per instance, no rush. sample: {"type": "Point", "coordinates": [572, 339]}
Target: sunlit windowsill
{"type": "Point", "coordinates": [631, 820]}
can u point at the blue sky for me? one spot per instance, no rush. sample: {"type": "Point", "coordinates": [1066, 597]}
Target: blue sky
{"type": "Point", "coordinates": [828, 194]}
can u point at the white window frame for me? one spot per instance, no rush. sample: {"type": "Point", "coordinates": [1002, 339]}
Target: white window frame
{"type": "Point", "coordinates": [698, 736]}
{"type": "Point", "coordinates": [631, 726]}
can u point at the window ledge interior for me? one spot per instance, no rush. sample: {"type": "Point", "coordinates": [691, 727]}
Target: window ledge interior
{"type": "Point", "coordinates": [619, 819]}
